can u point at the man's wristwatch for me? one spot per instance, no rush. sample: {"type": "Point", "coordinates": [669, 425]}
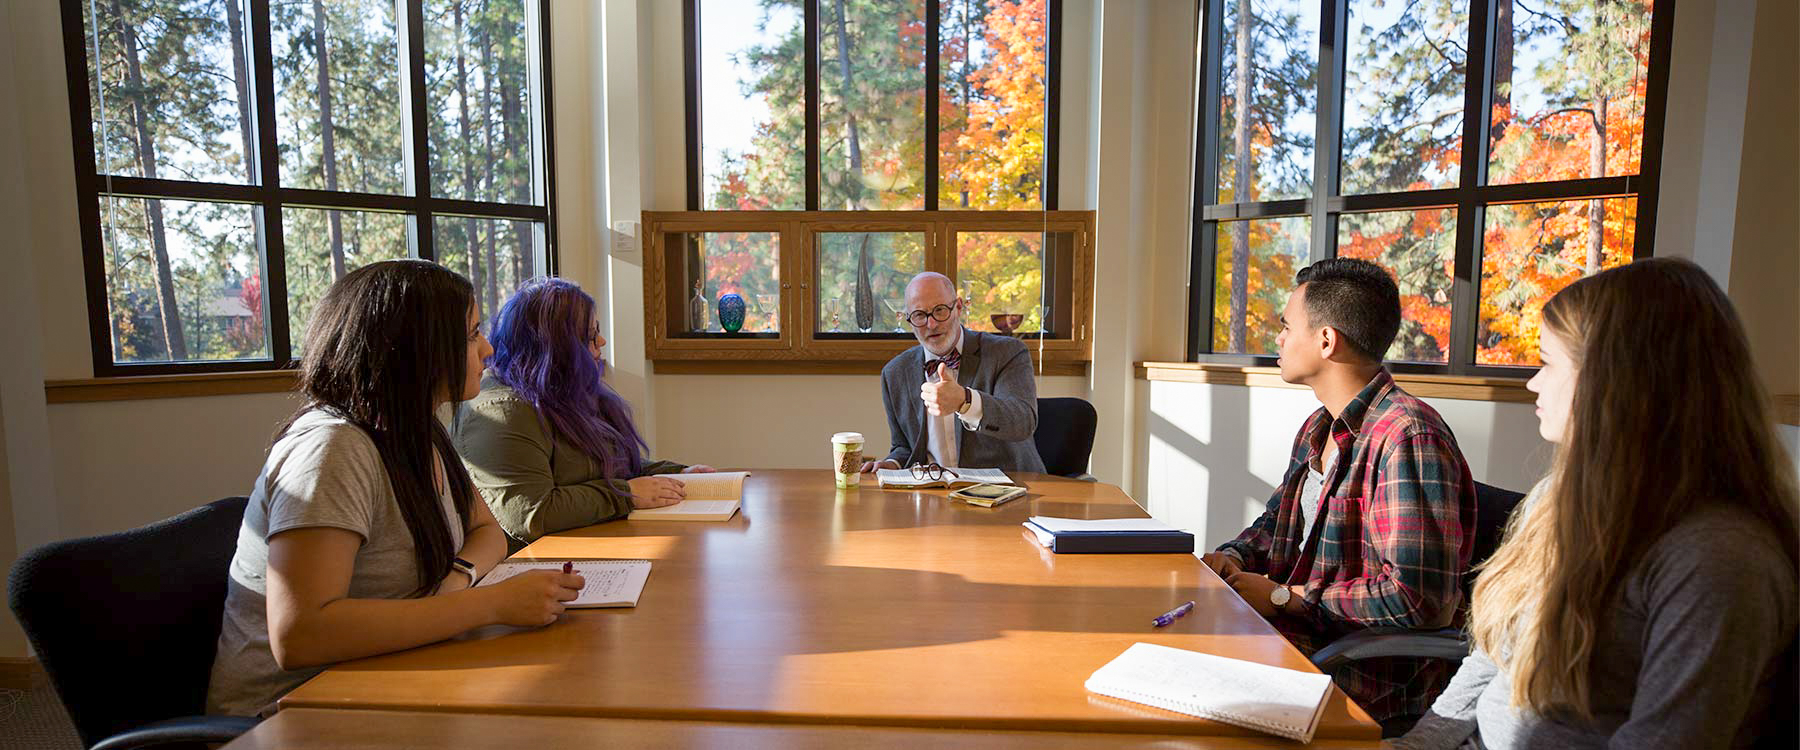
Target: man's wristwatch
{"type": "Point", "coordinates": [968, 399]}
{"type": "Point", "coordinates": [468, 568]}
{"type": "Point", "coordinates": [1279, 597]}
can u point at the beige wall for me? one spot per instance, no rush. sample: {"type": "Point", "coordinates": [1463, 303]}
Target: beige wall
{"type": "Point", "coordinates": [1765, 254]}
{"type": "Point", "coordinates": [1127, 88]}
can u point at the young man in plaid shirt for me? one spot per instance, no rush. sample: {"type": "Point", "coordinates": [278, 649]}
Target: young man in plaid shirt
{"type": "Point", "coordinates": [1373, 522]}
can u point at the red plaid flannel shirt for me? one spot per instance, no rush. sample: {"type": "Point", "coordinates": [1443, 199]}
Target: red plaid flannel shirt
{"type": "Point", "coordinates": [1390, 543]}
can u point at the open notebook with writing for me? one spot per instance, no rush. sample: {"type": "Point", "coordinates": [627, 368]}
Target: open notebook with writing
{"type": "Point", "coordinates": [713, 496]}
{"type": "Point", "coordinates": [1282, 702]}
{"type": "Point", "coordinates": [608, 583]}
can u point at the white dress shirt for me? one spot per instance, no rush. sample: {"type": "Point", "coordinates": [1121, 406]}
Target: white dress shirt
{"type": "Point", "coordinates": [941, 439]}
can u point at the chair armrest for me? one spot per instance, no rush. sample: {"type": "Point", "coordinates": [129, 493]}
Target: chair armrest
{"type": "Point", "coordinates": [1374, 643]}
{"type": "Point", "coordinates": [184, 729]}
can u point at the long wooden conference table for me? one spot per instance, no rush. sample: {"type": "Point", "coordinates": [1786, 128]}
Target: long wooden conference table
{"type": "Point", "coordinates": [850, 608]}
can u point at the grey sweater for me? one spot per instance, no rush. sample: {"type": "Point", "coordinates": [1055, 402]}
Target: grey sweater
{"type": "Point", "coordinates": [1701, 628]}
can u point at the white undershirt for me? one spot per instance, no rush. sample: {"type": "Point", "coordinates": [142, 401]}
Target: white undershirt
{"type": "Point", "coordinates": [941, 439]}
{"type": "Point", "coordinates": [1311, 491]}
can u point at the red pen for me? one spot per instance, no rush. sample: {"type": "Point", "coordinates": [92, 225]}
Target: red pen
{"type": "Point", "coordinates": [569, 567]}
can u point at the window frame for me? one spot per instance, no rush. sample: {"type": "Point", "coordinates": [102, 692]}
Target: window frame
{"type": "Point", "coordinates": [268, 194]}
{"type": "Point", "coordinates": [690, 18]}
{"type": "Point", "coordinates": [1469, 198]}
{"type": "Point", "coordinates": [797, 347]}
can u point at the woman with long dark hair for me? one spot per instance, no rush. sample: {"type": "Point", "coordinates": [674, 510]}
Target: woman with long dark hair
{"type": "Point", "coordinates": [1644, 596]}
{"type": "Point", "coordinates": [549, 445]}
{"type": "Point", "coordinates": [362, 536]}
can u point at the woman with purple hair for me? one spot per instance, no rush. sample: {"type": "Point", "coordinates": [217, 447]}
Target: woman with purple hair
{"type": "Point", "coordinates": [549, 445]}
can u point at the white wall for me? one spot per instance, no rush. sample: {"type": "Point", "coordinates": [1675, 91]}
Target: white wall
{"type": "Point", "coordinates": [1217, 452]}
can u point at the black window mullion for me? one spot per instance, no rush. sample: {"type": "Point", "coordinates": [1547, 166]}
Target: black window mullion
{"type": "Point", "coordinates": [690, 40]}
{"type": "Point", "coordinates": [933, 70]}
{"type": "Point", "coordinates": [268, 154]}
{"type": "Point", "coordinates": [1328, 126]}
{"type": "Point", "coordinates": [1656, 103]}
{"type": "Point", "coordinates": [87, 181]}
{"type": "Point", "coordinates": [1465, 292]}
{"type": "Point", "coordinates": [1205, 183]}
{"type": "Point", "coordinates": [547, 167]}
{"type": "Point", "coordinates": [1052, 103]}
{"type": "Point", "coordinates": [421, 148]}
{"type": "Point", "coordinates": [813, 152]}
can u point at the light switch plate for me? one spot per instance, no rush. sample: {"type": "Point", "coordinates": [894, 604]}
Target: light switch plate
{"type": "Point", "coordinates": [625, 239]}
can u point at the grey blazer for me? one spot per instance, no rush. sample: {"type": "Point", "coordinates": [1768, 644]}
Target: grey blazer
{"type": "Point", "coordinates": [997, 366]}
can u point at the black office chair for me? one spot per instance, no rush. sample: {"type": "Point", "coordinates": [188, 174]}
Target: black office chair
{"type": "Point", "coordinates": [1493, 506]}
{"type": "Point", "coordinates": [126, 626]}
{"type": "Point", "coordinates": [1065, 436]}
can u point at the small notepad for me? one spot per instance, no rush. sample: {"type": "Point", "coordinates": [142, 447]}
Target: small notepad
{"type": "Point", "coordinates": [608, 583]}
{"type": "Point", "coordinates": [1283, 702]}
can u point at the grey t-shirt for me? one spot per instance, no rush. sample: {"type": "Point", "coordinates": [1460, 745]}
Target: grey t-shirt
{"type": "Point", "coordinates": [1684, 660]}
{"type": "Point", "coordinates": [323, 472]}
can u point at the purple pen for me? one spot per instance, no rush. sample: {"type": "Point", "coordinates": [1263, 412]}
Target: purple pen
{"type": "Point", "coordinates": [1171, 615]}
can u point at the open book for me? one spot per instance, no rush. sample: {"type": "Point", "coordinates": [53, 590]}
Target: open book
{"type": "Point", "coordinates": [963, 478]}
{"type": "Point", "coordinates": [609, 583]}
{"type": "Point", "coordinates": [1282, 702]}
{"type": "Point", "coordinates": [710, 497]}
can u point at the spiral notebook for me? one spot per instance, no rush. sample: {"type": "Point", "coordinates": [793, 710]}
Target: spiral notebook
{"type": "Point", "coordinates": [607, 583]}
{"type": "Point", "coordinates": [1283, 702]}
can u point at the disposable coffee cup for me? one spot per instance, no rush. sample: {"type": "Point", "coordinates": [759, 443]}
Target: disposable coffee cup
{"type": "Point", "coordinates": [847, 458]}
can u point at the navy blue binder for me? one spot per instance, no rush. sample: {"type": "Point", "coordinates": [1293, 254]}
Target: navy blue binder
{"type": "Point", "coordinates": [1111, 542]}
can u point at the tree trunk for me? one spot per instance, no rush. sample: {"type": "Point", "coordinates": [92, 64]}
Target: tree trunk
{"type": "Point", "coordinates": [843, 39]}
{"type": "Point", "coordinates": [174, 340]}
{"type": "Point", "coordinates": [1597, 162]}
{"type": "Point", "coordinates": [471, 235]}
{"type": "Point", "coordinates": [512, 130]}
{"type": "Point", "coordinates": [240, 75]}
{"type": "Point", "coordinates": [327, 140]}
{"type": "Point", "coordinates": [1503, 60]}
{"type": "Point", "coordinates": [1243, 172]}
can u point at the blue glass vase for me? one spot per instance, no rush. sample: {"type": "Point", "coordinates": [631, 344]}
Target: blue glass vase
{"type": "Point", "coordinates": [731, 312]}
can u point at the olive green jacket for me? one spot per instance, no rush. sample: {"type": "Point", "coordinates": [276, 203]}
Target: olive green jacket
{"type": "Point", "coordinates": [536, 483]}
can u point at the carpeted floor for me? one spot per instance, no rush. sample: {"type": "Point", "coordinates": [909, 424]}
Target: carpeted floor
{"type": "Point", "coordinates": [34, 720]}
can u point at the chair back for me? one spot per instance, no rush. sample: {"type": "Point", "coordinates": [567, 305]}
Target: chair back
{"type": "Point", "coordinates": [1493, 508]}
{"type": "Point", "coordinates": [126, 624]}
{"type": "Point", "coordinates": [1065, 435]}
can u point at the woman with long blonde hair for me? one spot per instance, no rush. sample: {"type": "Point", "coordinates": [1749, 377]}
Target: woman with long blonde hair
{"type": "Point", "coordinates": [1645, 595]}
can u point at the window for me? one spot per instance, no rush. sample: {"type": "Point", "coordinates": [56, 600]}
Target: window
{"type": "Point", "coordinates": [872, 104]}
{"type": "Point", "coordinates": [1486, 152]}
{"type": "Point", "coordinates": [235, 157]}
{"type": "Point", "coordinates": [836, 148]}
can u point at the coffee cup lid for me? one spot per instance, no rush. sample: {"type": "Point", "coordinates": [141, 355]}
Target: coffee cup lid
{"type": "Point", "coordinates": [847, 437]}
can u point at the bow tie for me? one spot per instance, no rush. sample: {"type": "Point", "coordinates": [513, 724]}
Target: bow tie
{"type": "Point", "coordinates": [953, 359]}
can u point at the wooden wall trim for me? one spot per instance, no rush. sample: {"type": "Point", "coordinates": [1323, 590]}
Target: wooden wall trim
{"type": "Point", "coordinates": [139, 388]}
{"type": "Point", "coordinates": [1466, 387]}
{"type": "Point", "coordinates": [802, 367]}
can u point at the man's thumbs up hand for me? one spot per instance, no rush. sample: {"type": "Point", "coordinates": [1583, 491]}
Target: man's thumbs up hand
{"type": "Point", "coordinates": [945, 396]}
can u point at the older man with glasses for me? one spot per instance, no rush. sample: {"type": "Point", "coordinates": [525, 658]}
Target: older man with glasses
{"type": "Point", "coordinates": [961, 397]}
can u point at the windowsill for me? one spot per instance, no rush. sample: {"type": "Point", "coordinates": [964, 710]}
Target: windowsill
{"type": "Point", "coordinates": [1468, 388]}
{"type": "Point", "coordinates": [138, 388]}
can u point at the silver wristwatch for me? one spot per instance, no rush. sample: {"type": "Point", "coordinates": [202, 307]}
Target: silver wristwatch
{"type": "Point", "coordinates": [1279, 596]}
